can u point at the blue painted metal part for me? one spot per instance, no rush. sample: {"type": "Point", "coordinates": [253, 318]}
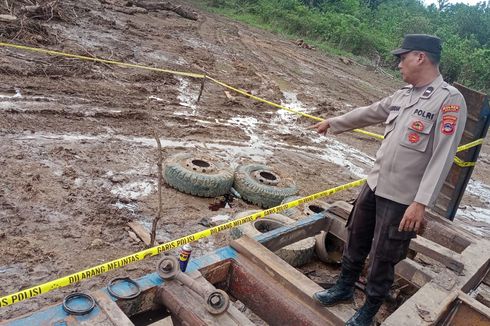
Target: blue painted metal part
{"type": "Point", "coordinates": [55, 315]}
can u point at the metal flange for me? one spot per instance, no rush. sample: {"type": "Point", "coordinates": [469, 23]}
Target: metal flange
{"type": "Point", "coordinates": [168, 268]}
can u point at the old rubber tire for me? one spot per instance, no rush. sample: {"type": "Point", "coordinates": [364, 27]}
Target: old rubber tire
{"type": "Point", "coordinates": [198, 175]}
{"type": "Point", "coordinates": [262, 185]}
{"type": "Point", "coordinates": [328, 248]}
{"type": "Point", "coordinates": [295, 254]}
{"type": "Point", "coordinates": [306, 209]}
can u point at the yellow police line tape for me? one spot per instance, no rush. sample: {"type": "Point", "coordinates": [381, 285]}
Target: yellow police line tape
{"type": "Point", "coordinates": [118, 263]}
{"type": "Point", "coordinates": [121, 262]}
{"type": "Point", "coordinates": [112, 62]}
{"type": "Point", "coordinates": [457, 160]}
{"type": "Point", "coordinates": [180, 73]}
{"type": "Point", "coordinates": [244, 93]}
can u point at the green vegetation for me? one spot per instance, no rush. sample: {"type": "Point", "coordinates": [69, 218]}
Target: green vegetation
{"type": "Point", "coordinates": [372, 28]}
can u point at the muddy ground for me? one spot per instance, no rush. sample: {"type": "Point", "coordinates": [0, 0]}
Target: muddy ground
{"type": "Point", "coordinates": [77, 149]}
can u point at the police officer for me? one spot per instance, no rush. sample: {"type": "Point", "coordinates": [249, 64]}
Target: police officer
{"type": "Point", "coordinates": [424, 122]}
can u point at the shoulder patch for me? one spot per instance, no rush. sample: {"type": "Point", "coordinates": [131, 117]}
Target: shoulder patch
{"type": "Point", "coordinates": [450, 108]}
{"type": "Point", "coordinates": [448, 124]}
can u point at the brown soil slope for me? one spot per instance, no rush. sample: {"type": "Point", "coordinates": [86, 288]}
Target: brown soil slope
{"type": "Point", "coordinates": [77, 149]}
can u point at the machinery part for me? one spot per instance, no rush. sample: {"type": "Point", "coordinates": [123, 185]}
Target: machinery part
{"type": "Point", "coordinates": [217, 302]}
{"type": "Point", "coordinates": [68, 304]}
{"type": "Point", "coordinates": [197, 175]}
{"type": "Point", "coordinates": [295, 254]}
{"type": "Point", "coordinates": [123, 297]}
{"type": "Point", "coordinates": [168, 268]}
{"type": "Point", "coordinates": [261, 185]}
{"type": "Point", "coordinates": [306, 209]}
{"type": "Point", "coordinates": [328, 248]}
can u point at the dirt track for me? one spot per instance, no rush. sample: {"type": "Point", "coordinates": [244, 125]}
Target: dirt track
{"type": "Point", "coordinates": [77, 146]}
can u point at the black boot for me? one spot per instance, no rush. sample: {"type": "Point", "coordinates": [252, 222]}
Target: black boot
{"type": "Point", "coordinates": [342, 291]}
{"type": "Point", "coordinates": [365, 315]}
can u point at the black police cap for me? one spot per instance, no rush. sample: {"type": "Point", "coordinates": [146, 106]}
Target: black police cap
{"type": "Point", "coordinates": [419, 42]}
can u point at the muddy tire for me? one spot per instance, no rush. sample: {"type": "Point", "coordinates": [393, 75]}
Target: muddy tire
{"type": "Point", "coordinates": [306, 209]}
{"type": "Point", "coordinates": [197, 175]}
{"type": "Point", "coordinates": [295, 254]}
{"type": "Point", "coordinates": [262, 186]}
{"type": "Point", "coordinates": [328, 248]}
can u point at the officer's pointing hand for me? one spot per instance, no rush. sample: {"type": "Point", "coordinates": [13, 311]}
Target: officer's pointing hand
{"type": "Point", "coordinates": [413, 219]}
{"type": "Point", "coordinates": [321, 127]}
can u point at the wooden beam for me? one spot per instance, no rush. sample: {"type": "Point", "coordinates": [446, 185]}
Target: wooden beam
{"type": "Point", "coordinates": [413, 272]}
{"type": "Point", "coordinates": [475, 304]}
{"type": "Point", "coordinates": [111, 309]}
{"type": "Point", "coordinates": [478, 275]}
{"type": "Point", "coordinates": [285, 235]}
{"type": "Point", "coordinates": [449, 258]}
{"type": "Point", "coordinates": [430, 301]}
{"type": "Point", "coordinates": [291, 279]}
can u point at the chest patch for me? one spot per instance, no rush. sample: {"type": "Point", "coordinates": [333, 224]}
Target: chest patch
{"type": "Point", "coordinates": [413, 137]}
{"type": "Point", "coordinates": [394, 108]}
{"type": "Point", "coordinates": [418, 125]}
{"type": "Point", "coordinates": [424, 114]}
{"type": "Point", "coordinates": [448, 124]}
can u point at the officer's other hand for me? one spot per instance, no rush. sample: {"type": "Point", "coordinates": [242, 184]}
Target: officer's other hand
{"type": "Point", "coordinates": [413, 219]}
{"type": "Point", "coordinates": [321, 127]}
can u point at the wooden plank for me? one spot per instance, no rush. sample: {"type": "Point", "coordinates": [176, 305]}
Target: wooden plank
{"type": "Point", "coordinates": [430, 300]}
{"type": "Point", "coordinates": [285, 235]}
{"type": "Point", "coordinates": [478, 275]}
{"type": "Point", "coordinates": [111, 309]}
{"type": "Point", "coordinates": [483, 294]}
{"type": "Point", "coordinates": [413, 272]}
{"type": "Point", "coordinates": [291, 279]}
{"type": "Point", "coordinates": [475, 304]}
{"type": "Point", "coordinates": [442, 231]}
{"type": "Point", "coordinates": [141, 232]}
{"type": "Point", "coordinates": [409, 270]}
{"type": "Point", "coordinates": [449, 258]}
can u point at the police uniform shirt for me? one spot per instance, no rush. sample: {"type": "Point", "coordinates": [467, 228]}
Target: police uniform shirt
{"type": "Point", "coordinates": [422, 133]}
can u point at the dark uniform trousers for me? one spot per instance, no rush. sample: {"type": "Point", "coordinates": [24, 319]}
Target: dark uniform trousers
{"type": "Point", "coordinates": [373, 229]}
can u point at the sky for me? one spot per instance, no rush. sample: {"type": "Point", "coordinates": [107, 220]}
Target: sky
{"type": "Point", "coordinates": [469, 2]}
